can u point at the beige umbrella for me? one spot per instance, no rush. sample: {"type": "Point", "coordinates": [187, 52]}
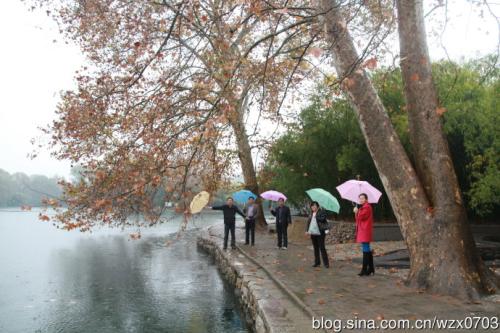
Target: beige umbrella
{"type": "Point", "coordinates": [199, 201]}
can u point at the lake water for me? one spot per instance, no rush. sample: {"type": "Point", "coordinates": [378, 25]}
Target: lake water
{"type": "Point", "coordinates": [57, 281]}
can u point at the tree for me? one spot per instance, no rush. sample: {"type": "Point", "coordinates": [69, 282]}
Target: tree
{"type": "Point", "coordinates": [468, 93]}
{"type": "Point", "coordinates": [19, 189]}
{"type": "Point", "coordinates": [297, 161]}
{"type": "Point", "coordinates": [113, 121]}
{"type": "Point", "coordinates": [165, 81]}
{"type": "Point", "coordinates": [447, 265]}
{"type": "Point", "coordinates": [435, 169]}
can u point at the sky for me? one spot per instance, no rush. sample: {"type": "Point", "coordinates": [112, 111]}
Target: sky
{"type": "Point", "coordinates": [34, 69]}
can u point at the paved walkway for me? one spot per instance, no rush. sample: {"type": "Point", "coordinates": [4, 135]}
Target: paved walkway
{"type": "Point", "coordinates": [283, 314]}
{"type": "Point", "coordinates": [338, 293]}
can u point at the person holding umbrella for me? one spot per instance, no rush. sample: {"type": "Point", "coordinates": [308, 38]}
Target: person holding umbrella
{"type": "Point", "coordinates": [317, 225]}
{"type": "Point", "coordinates": [363, 193]}
{"type": "Point", "coordinates": [229, 210]}
{"type": "Point", "coordinates": [364, 233]}
{"type": "Point", "coordinates": [283, 219]}
{"type": "Point", "coordinates": [251, 212]}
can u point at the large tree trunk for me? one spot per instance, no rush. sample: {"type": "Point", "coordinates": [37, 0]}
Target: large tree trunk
{"type": "Point", "coordinates": [435, 167]}
{"type": "Point", "coordinates": [236, 121]}
{"type": "Point", "coordinates": [438, 258]}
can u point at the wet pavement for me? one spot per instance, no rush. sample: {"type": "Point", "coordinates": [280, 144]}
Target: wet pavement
{"type": "Point", "coordinates": [338, 293]}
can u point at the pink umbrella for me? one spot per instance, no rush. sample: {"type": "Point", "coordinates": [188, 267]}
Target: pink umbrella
{"type": "Point", "coordinates": [351, 190]}
{"type": "Point", "coordinates": [273, 195]}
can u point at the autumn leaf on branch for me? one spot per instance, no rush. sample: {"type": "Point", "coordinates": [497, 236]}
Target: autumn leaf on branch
{"type": "Point", "coordinates": [316, 51]}
{"type": "Point", "coordinates": [370, 64]}
{"type": "Point", "coordinates": [152, 116]}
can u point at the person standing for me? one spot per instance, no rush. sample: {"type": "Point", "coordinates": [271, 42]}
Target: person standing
{"type": "Point", "coordinates": [316, 228]}
{"type": "Point", "coordinates": [283, 219]}
{"type": "Point", "coordinates": [364, 233]}
{"type": "Point", "coordinates": [252, 213]}
{"type": "Point", "coordinates": [229, 210]}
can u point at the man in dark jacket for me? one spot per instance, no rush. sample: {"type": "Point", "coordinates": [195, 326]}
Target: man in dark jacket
{"type": "Point", "coordinates": [283, 219]}
{"type": "Point", "coordinates": [252, 212]}
{"type": "Point", "coordinates": [229, 210]}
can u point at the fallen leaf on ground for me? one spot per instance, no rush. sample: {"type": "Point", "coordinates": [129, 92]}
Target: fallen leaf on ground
{"type": "Point", "coordinates": [321, 301]}
{"type": "Point", "coordinates": [309, 291]}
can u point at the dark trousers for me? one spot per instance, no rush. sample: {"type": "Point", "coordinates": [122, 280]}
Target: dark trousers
{"type": "Point", "coordinates": [229, 227]}
{"type": "Point", "coordinates": [319, 245]}
{"type": "Point", "coordinates": [281, 229]}
{"type": "Point", "coordinates": [250, 231]}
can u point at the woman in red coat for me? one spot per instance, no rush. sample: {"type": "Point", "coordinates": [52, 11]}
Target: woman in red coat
{"type": "Point", "coordinates": [364, 233]}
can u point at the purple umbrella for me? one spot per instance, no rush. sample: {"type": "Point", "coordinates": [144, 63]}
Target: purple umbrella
{"type": "Point", "coordinates": [273, 195]}
{"type": "Point", "coordinates": [351, 190]}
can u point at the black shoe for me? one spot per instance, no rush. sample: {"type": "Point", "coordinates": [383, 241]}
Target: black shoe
{"type": "Point", "coordinates": [364, 270]}
{"type": "Point", "coordinates": [246, 243]}
{"type": "Point", "coordinates": [253, 244]}
{"type": "Point", "coordinates": [233, 247]}
{"type": "Point", "coordinates": [327, 266]}
{"type": "Point", "coordinates": [224, 248]}
{"type": "Point", "coordinates": [371, 268]}
{"type": "Point", "coordinates": [316, 265]}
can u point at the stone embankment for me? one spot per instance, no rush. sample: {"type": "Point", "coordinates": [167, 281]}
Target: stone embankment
{"type": "Point", "coordinates": [268, 305]}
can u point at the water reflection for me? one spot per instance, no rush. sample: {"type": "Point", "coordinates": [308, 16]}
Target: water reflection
{"type": "Point", "coordinates": [106, 283]}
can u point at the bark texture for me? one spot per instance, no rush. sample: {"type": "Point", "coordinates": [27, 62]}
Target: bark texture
{"type": "Point", "coordinates": [237, 123]}
{"type": "Point", "coordinates": [442, 253]}
{"type": "Point", "coordinates": [434, 166]}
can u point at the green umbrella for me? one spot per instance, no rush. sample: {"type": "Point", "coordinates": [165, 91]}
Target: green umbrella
{"type": "Point", "coordinates": [324, 198]}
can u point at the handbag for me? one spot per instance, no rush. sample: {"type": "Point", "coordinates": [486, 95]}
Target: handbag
{"type": "Point", "coordinates": [323, 224]}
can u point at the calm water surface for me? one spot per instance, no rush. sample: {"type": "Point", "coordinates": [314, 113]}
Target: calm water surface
{"type": "Point", "coordinates": [58, 281]}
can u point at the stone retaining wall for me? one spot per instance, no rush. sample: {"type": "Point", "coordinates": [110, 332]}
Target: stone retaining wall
{"type": "Point", "coordinates": [344, 231]}
{"type": "Point", "coordinates": [244, 284]}
{"type": "Point", "coordinates": [341, 232]}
